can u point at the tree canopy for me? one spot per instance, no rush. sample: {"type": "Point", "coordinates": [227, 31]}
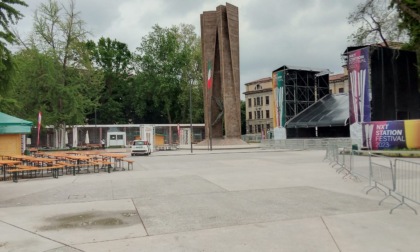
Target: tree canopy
{"type": "Point", "coordinates": [377, 22]}
{"type": "Point", "coordinates": [409, 13]}
{"type": "Point", "coordinates": [8, 16]}
{"type": "Point", "coordinates": [167, 65]}
{"type": "Point", "coordinates": [114, 60]}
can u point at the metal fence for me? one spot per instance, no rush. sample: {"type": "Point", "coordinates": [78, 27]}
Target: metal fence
{"type": "Point", "coordinates": [381, 173]}
{"type": "Point", "coordinates": [398, 179]}
{"type": "Point", "coordinates": [305, 144]}
{"type": "Point", "coordinates": [407, 182]}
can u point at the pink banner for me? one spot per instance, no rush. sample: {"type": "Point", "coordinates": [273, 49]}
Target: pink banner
{"type": "Point", "coordinates": [358, 67]}
{"type": "Point", "coordinates": [387, 135]}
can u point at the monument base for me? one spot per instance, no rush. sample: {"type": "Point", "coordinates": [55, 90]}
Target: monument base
{"type": "Point", "coordinates": [222, 142]}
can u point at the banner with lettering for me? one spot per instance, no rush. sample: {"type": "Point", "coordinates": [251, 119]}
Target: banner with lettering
{"type": "Point", "coordinates": [278, 88]}
{"type": "Point", "coordinates": [388, 135]}
{"type": "Point", "coordinates": [359, 97]}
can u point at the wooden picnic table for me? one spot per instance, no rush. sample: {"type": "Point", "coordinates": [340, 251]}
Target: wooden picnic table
{"type": "Point", "coordinates": [77, 153]}
{"type": "Point", "coordinates": [118, 157]}
{"type": "Point", "coordinates": [39, 161]}
{"type": "Point", "coordinates": [57, 155]}
{"type": "Point", "coordinates": [7, 164]}
{"type": "Point", "coordinates": [79, 159]}
{"type": "Point", "coordinates": [16, 157]}
{"type": "Point", "coordinates": [34, 169]}
{"type": "Point", "coordinates": [33, 150]}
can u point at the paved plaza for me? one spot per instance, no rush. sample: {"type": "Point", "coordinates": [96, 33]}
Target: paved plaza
{"type": "Point", "coordinates": [223, 200]}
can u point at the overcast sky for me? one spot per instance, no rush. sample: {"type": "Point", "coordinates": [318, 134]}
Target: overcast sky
{"type": "Point", "coordinates": [273, 33]}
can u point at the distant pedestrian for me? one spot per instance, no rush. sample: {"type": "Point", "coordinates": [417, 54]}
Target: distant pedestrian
{"type": "Point", "coordinates": [103, 143]}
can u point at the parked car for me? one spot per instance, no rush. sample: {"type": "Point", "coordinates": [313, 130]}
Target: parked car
{"type": "Point", "coordinates": [140, 147]}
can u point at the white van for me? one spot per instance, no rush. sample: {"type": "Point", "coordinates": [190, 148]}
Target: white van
{"type": "Point", "coordinates": [140, 147]}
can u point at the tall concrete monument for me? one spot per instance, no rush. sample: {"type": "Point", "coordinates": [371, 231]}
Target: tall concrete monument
{"type": "Point", "coordinates": [220, 50]}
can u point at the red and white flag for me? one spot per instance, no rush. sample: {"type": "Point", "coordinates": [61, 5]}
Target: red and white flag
{"type": "Point", "coordinates": [209, 75]}
{"type": "Point", "coordinates": [39, 126]}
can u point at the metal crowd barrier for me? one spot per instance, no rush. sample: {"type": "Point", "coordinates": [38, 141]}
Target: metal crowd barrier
{"type": "Point", "coordinates": [407, 182]}
{"type": "Point", "coordinates": [331, 154]}
{"type": "Point", "coordinates": [399, 178]}
{"type": "Point", "coordinates": [305, 144]}
{"type": "Point", "coordinates": [360, 166]}
{"type": "Point", "coordinates": [381, 173]}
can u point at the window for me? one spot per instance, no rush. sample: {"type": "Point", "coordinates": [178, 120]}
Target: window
{"type": "Point", "coordinates": [250, 128]}
{"type": "Point", "coordinates": [249, 102]}
{"type": "Point", "coordinates": [259, 128]}
{"type": "Point", "coordinates": [268, 126]}
{"type": "Point", "coordinates": [267, 100]}
{"type": "Point", "coordinates": [341, 90]}
{"type": "Point", "coordinates": [255, 102]}
{"type": "Point", "coordinates": [250, 115]}
{"type": "Point", "coordinates": [258, 101]}
{"type": "Point", "coordinates": [258, 115]}
{"type": "Point", "coordinates": [267, 114]}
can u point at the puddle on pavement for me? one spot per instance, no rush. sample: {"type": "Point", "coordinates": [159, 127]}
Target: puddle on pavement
{"type": "Point", "coordinates": [92, 220]}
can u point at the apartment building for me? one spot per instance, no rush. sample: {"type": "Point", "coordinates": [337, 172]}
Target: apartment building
{"type": "Point", "coordinates": [339, 83]}
{"type": "Point", "coordinates": [258, 98]}
{"type": "Point", "coordinates": [259, 101]}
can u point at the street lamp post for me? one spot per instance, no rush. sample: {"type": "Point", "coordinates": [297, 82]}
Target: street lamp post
{"type": "Point", "coordinates": [191, 127]}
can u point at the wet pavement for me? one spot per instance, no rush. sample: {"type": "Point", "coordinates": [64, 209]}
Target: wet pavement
{"type": "Point", "coordinates": [238, 199]}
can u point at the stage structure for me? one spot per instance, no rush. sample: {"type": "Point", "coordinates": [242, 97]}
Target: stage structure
{"type": "Point", "coordinates": [384, 96]}
{"type": "Point", "coordinates": [220, 50]}
{"type": "Point", "coordinates": [294, 90]}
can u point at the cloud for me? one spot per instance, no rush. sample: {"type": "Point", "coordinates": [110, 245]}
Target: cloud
{"type": "Point", "coordinates": [310, 33]}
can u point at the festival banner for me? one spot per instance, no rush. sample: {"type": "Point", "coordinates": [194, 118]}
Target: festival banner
{"type": "Point", "coordinates": [359, 97]}
{"type": "Point", "coordinates": [388, 135]}
{"type": "Point", "coordinates": [278, 87]}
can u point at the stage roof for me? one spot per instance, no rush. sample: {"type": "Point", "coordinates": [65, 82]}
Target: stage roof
{"type": "Point", "coordinates": [331, 111]}
{"type": "Point", "coordinates": [300, 68]}
{"type": "Point", "coordinates": [13, 125]}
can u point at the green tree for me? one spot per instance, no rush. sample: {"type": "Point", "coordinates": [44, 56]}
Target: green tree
{"type": "Point", "coordinates": [114, 60]}
{"type": "Point", "coordinates": [168, 65]}
{"type": "Point", "coordinates": [36, 77]}
{"type": "Point", "coordinates": [409, 13]}
{"type": "Point", "coordinates": [59, 32]}
{"type": "Point", "coordinates": [191, 77]}
{"type": "Point", "coordinates": [56, 53]}
{"type": "Point", "coordinates": [8, 16]}
{"type": "Point", "coordinates": [377, 22]}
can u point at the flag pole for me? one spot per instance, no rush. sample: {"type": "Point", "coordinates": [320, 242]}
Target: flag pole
{"type": "Point", "coordinates": [39, 127]}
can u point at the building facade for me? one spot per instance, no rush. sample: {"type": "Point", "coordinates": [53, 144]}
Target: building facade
{"type": "Point", "coordinates": [260, 103]}
{"type": "Point", "coordinates": [259, 106]}
{"type": "Point", "coordinates": [339, 83]}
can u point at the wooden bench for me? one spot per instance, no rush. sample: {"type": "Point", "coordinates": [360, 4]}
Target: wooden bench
{"type": "Point", "coordinates": [101, 164]}
{"type": "Point", "coordinates": [23, 168]}
{"type": "Point", "coordinates": [129, 163]}
{"type": "Point", "coordinates": [89, 147]}
{"type": "Point", "coordinates": [71, 166]}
